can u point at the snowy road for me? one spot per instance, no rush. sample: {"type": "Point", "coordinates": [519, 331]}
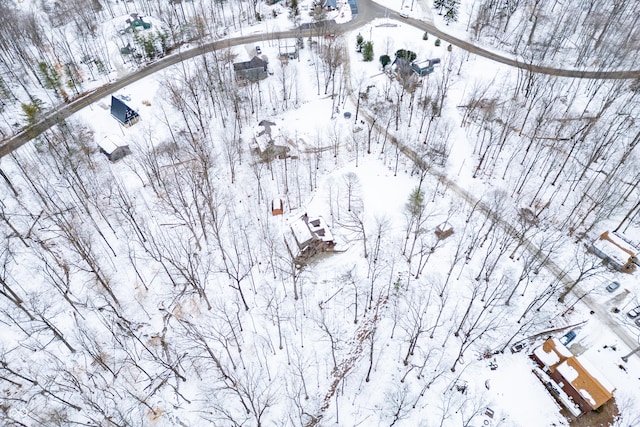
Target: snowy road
{"type": "Point", "coordinates": [368, 11]}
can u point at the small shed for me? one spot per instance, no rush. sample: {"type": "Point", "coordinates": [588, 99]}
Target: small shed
{"type": "Point", "coordinates": [444, 230]}
{"type": "Point", "coordinates": [113, 150]}
{"type": "Point", "coordinates": [123, 113]}
{"type": "Point", "coordinates": [277, 207]}
{"type": "Point", "coordinates": [288, 52]}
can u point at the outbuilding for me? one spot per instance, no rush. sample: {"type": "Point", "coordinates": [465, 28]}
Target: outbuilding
{"type": "Point", "coordinates": [114, 150]}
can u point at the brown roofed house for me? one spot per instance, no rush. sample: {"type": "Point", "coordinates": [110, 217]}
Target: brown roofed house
{"type": "Point", "coordinates": [616, 251]}
{"type": "Point", "coordinates": [581, 381]}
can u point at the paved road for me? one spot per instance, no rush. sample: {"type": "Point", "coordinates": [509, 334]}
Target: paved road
{"type": "Point", "coordinates": [368, 11]}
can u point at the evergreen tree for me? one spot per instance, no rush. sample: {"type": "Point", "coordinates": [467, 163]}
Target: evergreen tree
{"type": "Point", "coordinates": [32, 111]}
{"type": "Point", "coordinates": [294, 10]}
{"type": "Point", "coordinates": [50, 77]}
{"type": "Point", "coordinates": [385, 60]}
{"type": "Point", "coordinates": [416, 203]}
{"type": "Point", "coordinates": [451, 14]}
{"type": "Point", "coordinates": [367, 51]}
{"type": "Point", "coordinates": [359, 42]}
{"type": "Point", "coordinates": [407, 55]}
{"type": "Point", "coordinates": [439, 4]}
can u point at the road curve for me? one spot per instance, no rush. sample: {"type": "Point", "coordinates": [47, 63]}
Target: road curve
{"type": "Point", "coordinates": [368, 11]}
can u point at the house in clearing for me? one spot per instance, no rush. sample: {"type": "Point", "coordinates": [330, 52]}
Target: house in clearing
{"type": "Point", "coordinates": [585, 386]}
{"type": "Point", "coordinates": [123, 113]}
{"type": "Point", "coordinates": [617, 251]}
{"type": "Point", "coordinates": [269, 143]}
{"type": "Point", "coordinates": [254, 69]}
{"type": "Point", "coordinates": [113, 149]}
{"type": "Point", "coordinates": [307, 238]}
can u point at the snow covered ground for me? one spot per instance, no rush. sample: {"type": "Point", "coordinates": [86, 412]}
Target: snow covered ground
{"type": "Point", "coordinates": [368, 340]}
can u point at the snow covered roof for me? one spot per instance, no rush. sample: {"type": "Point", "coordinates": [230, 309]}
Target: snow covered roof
{"type": "Point", "coordinates": [580, 374]}
{"type": "Point", "coordinates": [567, 371]}
{"type": "Point", "coordinates": [595, 393]}
{"type": "Point", "coordinates": [109, 145]}
{"type": "Point", "coordinates": [596, 374]}
{"type": "Point", "coordinates": [613, 251]}
{"type": "Point", "coordinates": [301, 232]}
{"type": "Point", "coordinates": [552, 352]}
{"type": "Point", "coordinates": [615, 248]}
{"type": "Point", "coordinates": [320, 229]}
{"type": "Point", "coordinates": [305, 230]}
{"type": "Point", "coordinates": [621, 242]}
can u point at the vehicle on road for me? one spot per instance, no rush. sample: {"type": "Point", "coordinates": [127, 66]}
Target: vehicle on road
{"type": "Point", "coordinates": [258, 50]}
{"type": "Point", "coordinates": [403, 15]}
{"type": "Point", "coordinates": [568, 337]}
{"type": "Point", "coordinates": [517, 347]}
{"type": "Point", "coordinates": [634, 312]}
{"type": "Point", "coordinates": [611, 287]}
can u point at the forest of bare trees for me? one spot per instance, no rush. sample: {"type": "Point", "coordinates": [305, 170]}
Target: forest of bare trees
{"type": "Point", "coordinates": [600, 36]}
{"type": "Point", "coordinates": [160, 289]}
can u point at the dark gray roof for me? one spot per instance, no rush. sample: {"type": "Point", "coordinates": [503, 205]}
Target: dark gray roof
{"type": "Point", "coordinates": [121, 111]}
{"type": "Point", "coordinates": [255, 62]}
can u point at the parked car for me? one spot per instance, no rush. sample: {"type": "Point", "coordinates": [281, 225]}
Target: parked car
{"type": "Point", "coordinates": [611, 287]}
{"type": "Point", "coordinates": [638, 322]}
{"type": "Point", "coordinates": [568, 337]}
{"type": "Point", "coordinates": [258, 50]}
{"type": "Point", "coordinates": [517, 347]}
{"type": "Point", "coordinates": [634, 312]}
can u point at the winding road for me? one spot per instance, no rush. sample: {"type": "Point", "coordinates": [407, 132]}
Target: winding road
{"type": "Point", "coordinates": [368, 11]}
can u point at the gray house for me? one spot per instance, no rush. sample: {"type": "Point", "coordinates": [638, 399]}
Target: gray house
{"type": "Point", "coordinates": [255, 69]}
